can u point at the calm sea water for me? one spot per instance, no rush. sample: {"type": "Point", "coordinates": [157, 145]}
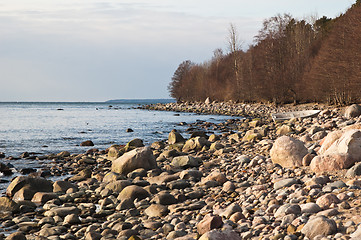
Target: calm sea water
{"type": "Point", "coordinates": [54, 127]}
{"type": "Point", "coordinates": [45, 128]}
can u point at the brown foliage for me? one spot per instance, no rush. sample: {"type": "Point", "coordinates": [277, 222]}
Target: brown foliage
{"type": "Point", "coordinates": [335, 76]}
{"type": "Point", "coordinates": [291, 61]}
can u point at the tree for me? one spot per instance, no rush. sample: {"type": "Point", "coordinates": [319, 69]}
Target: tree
{"type": "Point", "coordinates": [234, 45]}
{"type": "Point", "coordinates": [176, 85]}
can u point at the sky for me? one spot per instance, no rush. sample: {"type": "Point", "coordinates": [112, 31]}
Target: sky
{"type": "Point", "coordinates": [92, 50]}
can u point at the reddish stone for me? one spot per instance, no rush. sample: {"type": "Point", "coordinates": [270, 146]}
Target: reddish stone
{"type": "Point", "coordinates": [209, 223]}
{"type": "Point", "coordinates": [327, 200]}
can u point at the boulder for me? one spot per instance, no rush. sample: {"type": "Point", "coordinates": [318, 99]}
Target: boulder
{"type": "Point", "coordinates": [61, 211]}
{"type": "Point", "coordinates": [191, 174]}
{"type": "Point", "coordinates": [287, 209]}
{"type": "Point", "coordinates": [252, 135]}
{"type": "Point", "coordinates": [163, 179]}
{"type": "Point", "coordinates": [354, 171]}
{"type": "Point", "coordinates": [111, 177]}
{"type": "Point", "coordinates": [284, 130]}
{"type": "Point", "coordinates": [287, 182]}
{"type": "Point", "coordinates": [213, 138]}
{"type": "Point", "coordinates": [349, 143]}
{"type": "Point", "coordinates": [82, 175]}
{"type": "Point", "coordinates": [63, 154]}
{"type": "Point", "coordinates": [208, 223]}
{"type": "Point", "coordinates": [216, 146]}
{"type": "Point", "coordinates": [196, 144]}
{"type": "Point", "coordinates": [133, 192]}
{"type": "Point", "coordinates": [220, 235]}
{"type": "Point", "coordinates": [158, 145]}
{"type": "Point", "coordinates": [16, 236]}
{"type": "Point", "coordinates": [165, 199]}
{"type": "Point", "coordinates": [43, 197]}
{"type": "Point", "coordinates": [236, 137]}
{"type": "Point", "coordinates": [156, 210]}
{"type": "Point", "coordinates": [353, 111]}
{"type": "Point", "coordinates": [329, 140]}
{"type": "Point", "coordinates": [344, 151]}
{"type": "Point", "coordinates": [135, 143]}
{"type": "Point", "coordinates": [25, 193]}
{"type": "Point", "coordinates": [326, 200]}
{"type": "Point", "coordinates": [288, 152]}
{"type": "Point", "coordinates": [72, 219]}
{"type": "Point", "coordinates": [185, 161]}
{"type": "Point", "coordinates": [319, 226]}
{"type": "Point", "coordinates": [334, 162]}
{"type": "Point", "coordinates": [34, 184]}
{"type": "Point", "coordinates": [8, 205]}
{"type": "Point", "coordinates": [5, 170]}
{"type": "Point", "coordinates": [217, 176]}
{"type": "Point", "coordinates": [138, 158]}
{"type": "Point", "coordinates": [63, 186]}
{"type": "Point", "coordinates": [87, 143]}
{"type": "Point", "coordinates": [114, 152]}
{"type": "Point", "coordinates": [310, 208]}
{"type": "Point", "coordinates": [118, 186]}
{"type": "Point", "coordinates": [175, 137]}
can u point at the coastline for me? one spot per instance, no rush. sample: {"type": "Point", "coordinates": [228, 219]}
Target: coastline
{"type": "Point", "coordinates": [247, 110]}
{"type": "Point", "coordinates": [227, 184]}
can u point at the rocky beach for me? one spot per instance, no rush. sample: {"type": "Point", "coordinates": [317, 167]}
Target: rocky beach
{"type": "Point", "coordinates": [250, 178]}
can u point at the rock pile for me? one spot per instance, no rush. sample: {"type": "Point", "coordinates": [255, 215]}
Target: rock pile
{"type": "Point", "coordinates": [219, 184]}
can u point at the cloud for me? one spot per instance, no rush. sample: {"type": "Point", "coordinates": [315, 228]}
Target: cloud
{"type": "Point", "coordinates": [96, 50]}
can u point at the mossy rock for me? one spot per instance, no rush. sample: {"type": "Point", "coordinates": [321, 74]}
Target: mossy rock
{"type": "Point", "coordinates": [115, 151]}
{"type": "Point", "coordinates": [133, 144]}
{"type": "Point", "coordinates": [176, 146]}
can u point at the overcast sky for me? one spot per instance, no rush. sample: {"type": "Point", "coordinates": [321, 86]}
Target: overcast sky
{"type": "Point", "coordinates": [90, 50]}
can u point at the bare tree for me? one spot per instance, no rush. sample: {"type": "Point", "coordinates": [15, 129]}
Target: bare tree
{"type": "Point", "coordinates": [235, 44]}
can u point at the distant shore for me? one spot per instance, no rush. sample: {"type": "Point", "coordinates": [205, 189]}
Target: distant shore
{"type": "Point", "coordinates": [248, 110]}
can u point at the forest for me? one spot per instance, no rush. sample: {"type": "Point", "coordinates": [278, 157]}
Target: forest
{"type": "Point", "coordinates": [291, 61]}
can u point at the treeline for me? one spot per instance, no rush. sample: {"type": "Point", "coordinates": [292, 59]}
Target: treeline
{"type": "Point", "coordinates": [291, 61]}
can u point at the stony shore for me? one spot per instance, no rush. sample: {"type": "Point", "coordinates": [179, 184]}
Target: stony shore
{"type": "Point", "coordinates": [246, 178]}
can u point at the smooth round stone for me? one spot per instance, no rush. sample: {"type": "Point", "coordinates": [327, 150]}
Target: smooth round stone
{"type": "Point", "coordinates": [47, 220]}
{"type": "Point", "coordinates": [285, 183]}
{"type": "Point", "coordinates": [176, 234]}
{"type": "Point", "coordinates": [310, 208]}
{"type": "Point", "coordinates": [71, 219]}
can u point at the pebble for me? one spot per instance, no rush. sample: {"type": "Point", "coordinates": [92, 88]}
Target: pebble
{"type": "Point", "coordinates": [230, 189]}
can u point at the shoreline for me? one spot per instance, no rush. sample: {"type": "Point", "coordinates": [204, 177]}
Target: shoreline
{"type": "Point", "coordinates": [247, 110]}
{"type": "Point", "coordinates": [228, 184]}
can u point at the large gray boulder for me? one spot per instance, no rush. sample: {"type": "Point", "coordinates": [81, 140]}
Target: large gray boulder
{"type": "Point", "coordinates": [32, 184]}
{"type": "Point", "coordinates": [185, 161]}
{"type": "Point", "coordinates": [133, 192]}
{"type": "Point", "coordinates": [175, 137]}
{"type": "Point", "coordinates": [288, 152]}
{"type": "Point", "coordinates": [319, 226]}
{"type": "Point", "coordinates": [138, 158]}
{"type": "Point", "coordinates": [196, 144]}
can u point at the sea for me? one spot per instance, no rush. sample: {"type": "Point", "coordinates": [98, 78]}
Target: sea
{"type": "Point", "coordinates": [42, 128]}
